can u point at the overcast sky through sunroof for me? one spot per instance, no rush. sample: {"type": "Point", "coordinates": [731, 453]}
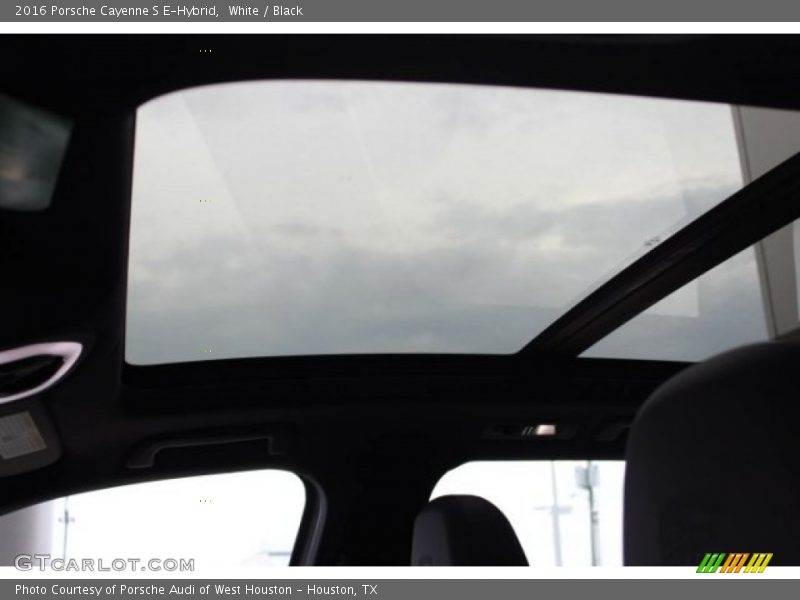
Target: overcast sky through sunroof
{"type": "Point", "coordinates": [290, 218]}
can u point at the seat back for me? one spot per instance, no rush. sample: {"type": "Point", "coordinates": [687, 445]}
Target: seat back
{"type": "Point", "coordinates": [713, 461]}
{"type": "Point", "coordinates": [464, 531]}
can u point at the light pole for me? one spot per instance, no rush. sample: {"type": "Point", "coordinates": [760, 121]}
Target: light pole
{"type": "Point", "coordinates": [588, 479]}
{"type": "Point", "coordinates": [556, 510]}
{"type": "Point", "coordinates": [66, 519]}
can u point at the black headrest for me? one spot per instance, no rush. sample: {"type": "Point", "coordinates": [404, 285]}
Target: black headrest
{"type": "Point", "coordinates": [464, 531]}
{"type": "Point", "coordinates": [713, 461]}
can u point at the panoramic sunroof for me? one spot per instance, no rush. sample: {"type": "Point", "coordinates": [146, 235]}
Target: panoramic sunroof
{"type": "Point", "coordinates": [309, 217]}
{"type": "Point", "coordinates": [719, 310]}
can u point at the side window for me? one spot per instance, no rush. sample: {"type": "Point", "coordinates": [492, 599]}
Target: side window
{"type": "Point", "coordinates": [565, 513]}
{"type": "Point", "coordinates": [233, 519]}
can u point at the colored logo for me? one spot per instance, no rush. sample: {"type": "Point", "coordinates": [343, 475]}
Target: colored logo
{"type": "Point", "coordinates": [734, 562]}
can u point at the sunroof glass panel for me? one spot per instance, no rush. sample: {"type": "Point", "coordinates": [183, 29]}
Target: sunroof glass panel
{"type": "Point", "coordinates": [750, 297]}
{"type": "Point", "coordinates": [309, 217]}
{"type": "Point", "coordinates": [719, 310]}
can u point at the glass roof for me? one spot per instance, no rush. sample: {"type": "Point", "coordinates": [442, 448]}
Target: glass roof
{"type": "Point", "coordinates": [310, 217]}
{"type": "Point", "coordinates": [719, 310]}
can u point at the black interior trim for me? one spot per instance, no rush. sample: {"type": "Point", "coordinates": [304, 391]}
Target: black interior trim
{"type": "Point", "coordinates": [144, 456]}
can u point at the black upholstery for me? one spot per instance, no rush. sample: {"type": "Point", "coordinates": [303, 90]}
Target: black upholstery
{"type": "Point", "coordinates": [464, 531]}
{"type": "Point", "coordinates": [713, 461]}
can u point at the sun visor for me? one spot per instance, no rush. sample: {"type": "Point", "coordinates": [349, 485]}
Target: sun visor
{"type": "Point", "coordinates": [28, 439]}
